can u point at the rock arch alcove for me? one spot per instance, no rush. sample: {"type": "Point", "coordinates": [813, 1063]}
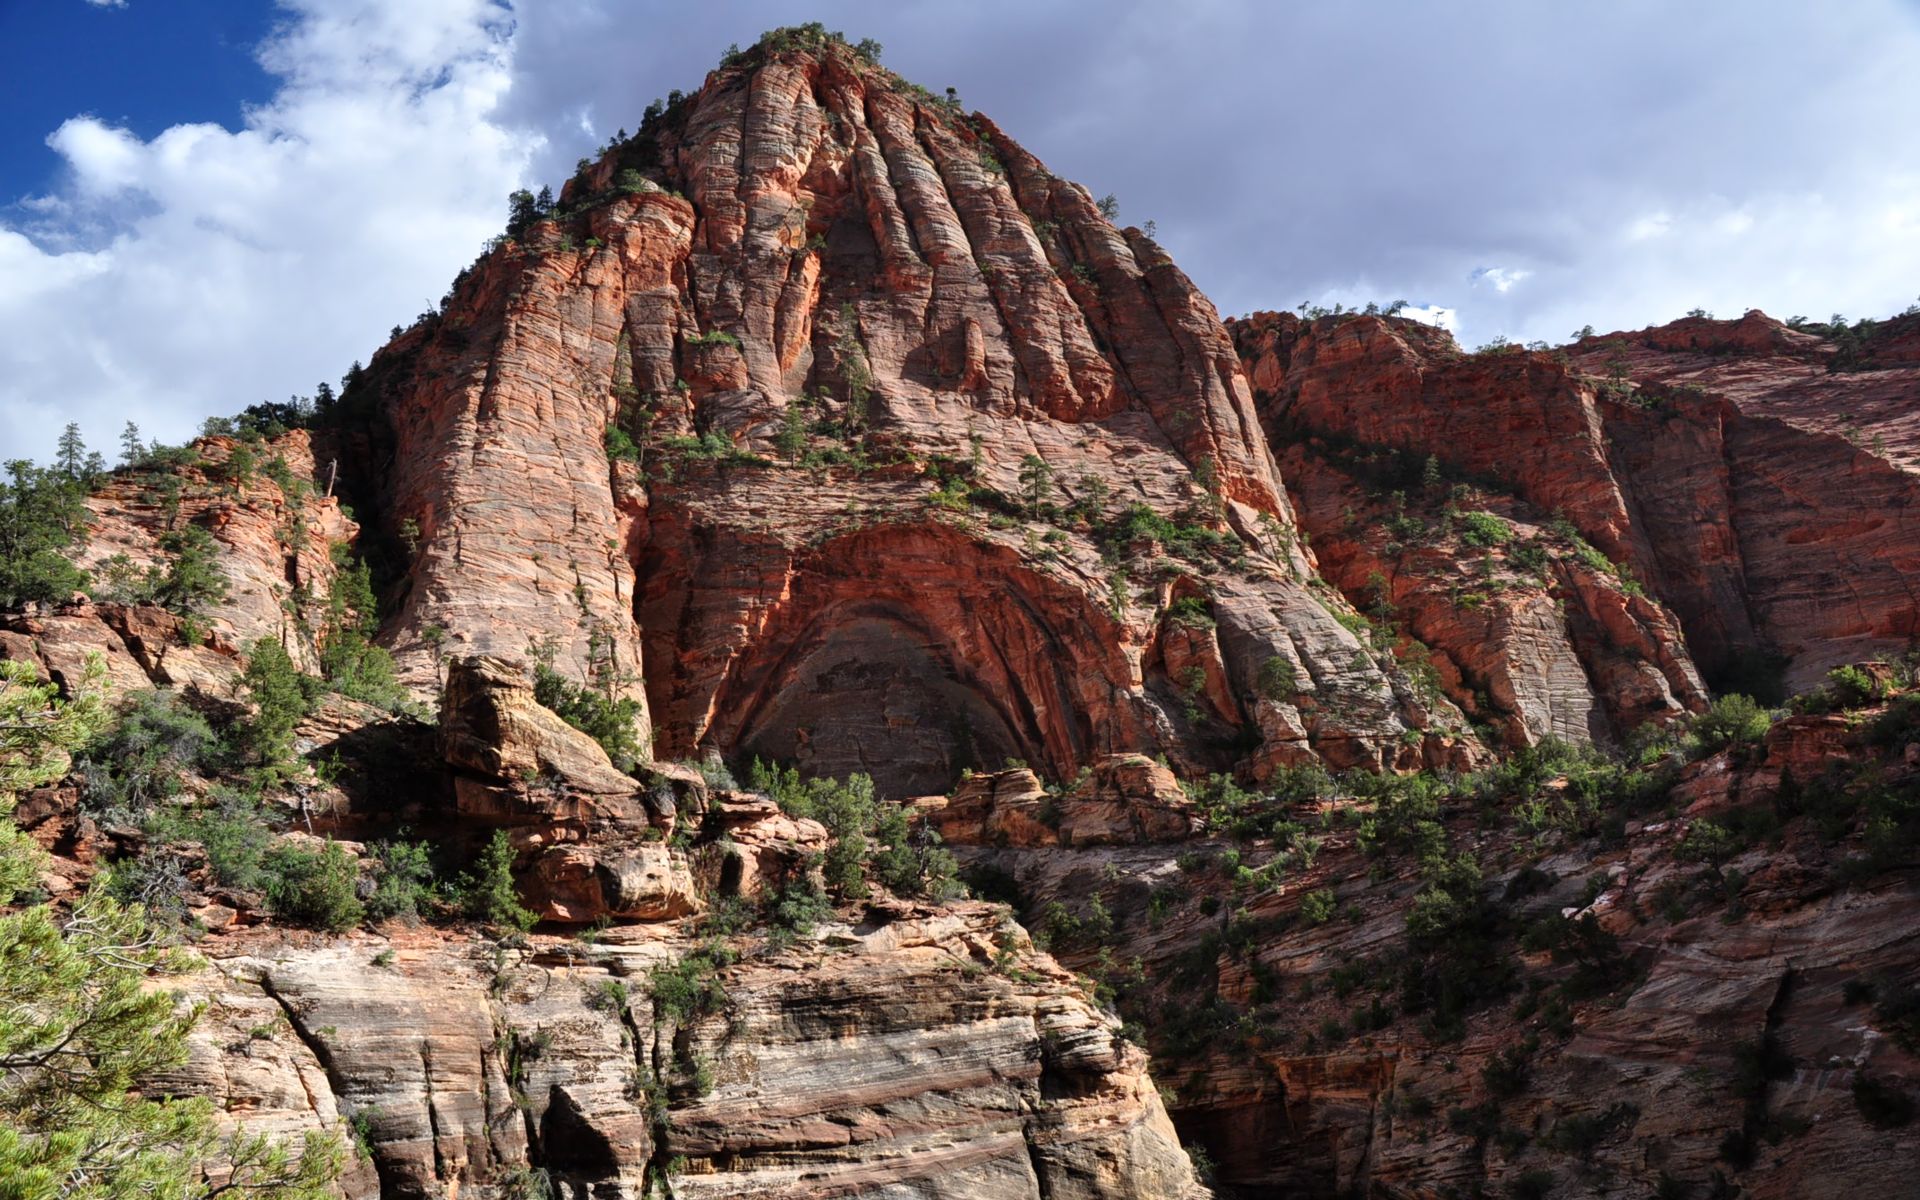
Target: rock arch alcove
{"type": "Point", "coordinates": [909, 651]}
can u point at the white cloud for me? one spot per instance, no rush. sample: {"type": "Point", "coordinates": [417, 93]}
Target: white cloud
{"type": "Point", "coordinates": [1501, 279]}
{"type": "Point", "coordinates": [108, 3]}
{"type": "Point", "coordinates": [209, 268]}
{"type": "Point", "coordinates": [1653, 225]}
{"type": "Point", "coordinates": [104, 160]}
{"type": "Point", "coordinates": [1433, 314]}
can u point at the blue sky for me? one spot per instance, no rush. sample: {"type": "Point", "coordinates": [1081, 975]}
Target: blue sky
{"type": "Point", "coordinates": [143, 67]}
{"type": "Point", "coordinates": [206, 203]}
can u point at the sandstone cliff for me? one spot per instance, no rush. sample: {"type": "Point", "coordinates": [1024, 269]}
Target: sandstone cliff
{"type": "Point", "coordinates": [924, 1053]}
{"type": "Point", "coordinates": [809, 245]}
{"type": "Point", "coordinates": [1746, 485]}
{"type": "Point", "coordinates": [1241, 662]}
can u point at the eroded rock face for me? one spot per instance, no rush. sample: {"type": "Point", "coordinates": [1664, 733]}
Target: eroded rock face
{"type": "Point", "coordinates": [1123, 800]}
{"type": "Point", "coordinates": [1275, 1013]}
{"type": "Point", "coordinates": [886, 1059]}
{"type": "Point", "coordinates": [1706, 455]}
{"type": "Point", "coordinates": [807, 234]}
{"type": "Point", "coordinates": [274, 527]}
{"type": "Point", "coordinates": [1524, 633]}
{"type": "Point", "coordinates": [590, 836]}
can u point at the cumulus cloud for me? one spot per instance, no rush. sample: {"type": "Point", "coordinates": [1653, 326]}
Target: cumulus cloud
{"type": "Point", "coordinates": [1500, 279]}
{"type": "Point", "coordinates": [1446, 154]}
{"type": "Point", "coordinates": [208, 268]}
{"type": "Point", "coordinates": [1696, 158]}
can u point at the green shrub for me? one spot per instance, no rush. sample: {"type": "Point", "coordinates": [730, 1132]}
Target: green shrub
{"type": "Point", "coordinates": [608, 996]}
{"type": "Point", "coordinates": [1192, 612]}
{"type": "Point", "coordinates": [1853, 688]}
{"type": "Point", "coordinates": [316, 889]}
{"type": "Point", "coordinates": [605, 719]}
{"type": "Point", "coordinates": [620, 446]}
{"type": "Point", "coordinates": [1139, 522]}
{"type": "Point", "coordinates": [1278, 681]}
{"type": "Point", "coordinates": [1065, 929]}
{"type": "Point", "coordinates": [1599, 963]}
{"type": "Point", "coordinates": [487, 892]}
{"type": "Point", "coordinates": [1484, 530]}
{"type": "Point", "coordinates": [141, 759]}
{"type": "Point", "coordinates": [800, 903]}
{"type": "Point", "coordinates": [349, 660]}
{"type": "Point", "coordinates": [791, 441]}
{"type": "Point", "coordinates": [909, 861]}
{"type": "Point", "coordinates": [193, 580]}
{"type": "Point", "coordinates": [156, 879]}
{"type": "Point", "coordinates": [280, 697]}
{"type": "Point", "coordinates": [1454, 932]}
{"type": "Point", "coordinates": [1732, 721]}
{"type": "Point", "coordinates": [1507, 1073]}
{"type": "Point", "coordinates": [1708, 842]}
{"type": "Point", "coordinates": [1881, 1103]}
{"type": "Point", "coordinates": [235, 837]}
{"type": "Point", "coordinates": [691, 987]}
{"type": "Point", "coordinates": [847, 809]}
{"type": "Point", "coordinates": [402, 880]}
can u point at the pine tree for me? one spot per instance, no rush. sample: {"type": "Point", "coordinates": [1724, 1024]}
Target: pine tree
{"type": "Point", "coordinates": [132, 449]}
{"type": "Point", "coordinates": [43, 518]}
{"type": "Point", "coordinates": [79, 1028]}
{"type": "Point", "coordinates": [791, 441]}
{"type": "Point", "coordinates": [488, 891]}
{"type": "Point", "coordinates": [193, 580]}
{"type": "Point", "coordinates": [1036, 482]}
{"type": "Point", "coordinates": [855, 371]}
{"type": "Point", "coordinates": [279, 698]}
{"type": "Point", "coordinates": [348, 658]}
{"type": "Point", "coordinates": [71, 455]}
{"type": "Point", "coordinates": [521, 213]}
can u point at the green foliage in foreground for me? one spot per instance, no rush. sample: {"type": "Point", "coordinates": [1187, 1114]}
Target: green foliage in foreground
{"type": "Point", "coordinates": [42, 515]}
{"type": "Point", "coordinates": [79, 1028]}
{"type": "Point", "coordinates": [871, 839]}
{"type": "Point", "coordinates": [597, 713]}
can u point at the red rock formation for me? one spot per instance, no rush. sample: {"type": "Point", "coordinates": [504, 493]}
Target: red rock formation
{"type": "Point", "coordinates": [896, 1055]}
{"type": "Point", "coordinates": [1524, 633]}
{"type": "Point", "coordinates": [274, 547]}
{"type": "Point", "coordinates": [908, 274]}
{"type": "Point", "coordinates": [1291, 1055]}
{"type": "Point", "coordinates": [1703, 454]}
